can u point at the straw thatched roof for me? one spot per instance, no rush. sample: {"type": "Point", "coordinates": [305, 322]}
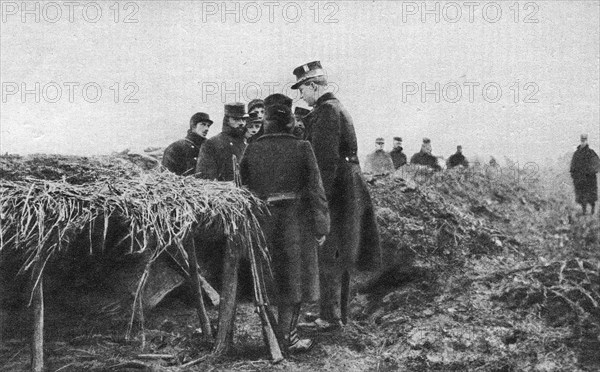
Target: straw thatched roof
{"type": "Point", "coordinates": [39, 217]}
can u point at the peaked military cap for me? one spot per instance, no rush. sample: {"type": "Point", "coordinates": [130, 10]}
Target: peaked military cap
{"type": "Point", "coordinates": [235, 110]}
{"type": "Point", "coordinates": [278, 99]}
{"type": "Point", "coordinates": [379, 140]}
{"type": "Point", "coordinates": [307, 71]}
{"type": "Point", "coordinates": [200, 117]}
{"type": "Point", "coordinates": [398, 139]}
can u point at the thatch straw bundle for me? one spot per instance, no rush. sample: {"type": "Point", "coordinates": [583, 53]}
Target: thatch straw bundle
{"type": "Point", "coordinates": [41, 217]}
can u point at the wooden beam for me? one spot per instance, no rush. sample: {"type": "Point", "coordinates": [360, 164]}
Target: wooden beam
{"type": "Point", "coordinates": [37, 311]}
{"type": "Point", "coordinates": [228, 303]}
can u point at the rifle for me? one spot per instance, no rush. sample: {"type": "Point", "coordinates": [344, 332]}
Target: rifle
{"type": "Point", "coordinates": [258, 284]}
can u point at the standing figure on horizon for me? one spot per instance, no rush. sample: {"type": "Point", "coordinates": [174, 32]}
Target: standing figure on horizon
{"type": "Point", "coordinates": [398, 157]}
{"type": "Point", "coordinates": [379, 162]}
{"type": "Point", "coordinates": [424, 156]}
{"type": "Point", "coordinates": [584, 166]}
{"type": "Point", "coordinates": [457, 159]}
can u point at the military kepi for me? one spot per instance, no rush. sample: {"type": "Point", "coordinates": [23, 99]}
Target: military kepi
{"type": "Point", "coordinates": [200, 117]}
{"type": "Point", "coordinates": [307, 71]}
{"type": "Point", "coordinates": [235, 110]}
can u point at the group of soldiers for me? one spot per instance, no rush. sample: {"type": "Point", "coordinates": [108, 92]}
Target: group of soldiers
{"type": "Point", "coordinates": [380, 162]}
{"type": "Point", "coordinates": [304, 165]}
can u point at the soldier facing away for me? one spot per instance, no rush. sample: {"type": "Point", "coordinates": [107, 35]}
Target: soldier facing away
{"type": "Point", "coordinates": [398, 157]}
{"type": "Point", "coordinates": [354, 239]}
{"type": "Point", "coordinates": [457, 159]}
{"type": "Point", "coordinates": [283, 171]}
{"type": "Point", "coordinates": [181, 156]}
{"type": "Point", "coordinates": [584, 166]}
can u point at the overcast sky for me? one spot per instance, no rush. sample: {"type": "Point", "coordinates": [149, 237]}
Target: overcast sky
{"type": "Point", "coordinates": [170, 59]}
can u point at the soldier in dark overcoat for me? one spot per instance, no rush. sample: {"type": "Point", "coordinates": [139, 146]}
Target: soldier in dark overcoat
{"type": "Point", "coordinates": [354, 238]}
{"type": "Point", "coordinates": [398, 157]}
{"type": "Point", "coordinates": [424, 157]}
{"type": "Point", "coordinates": [282, 170]}
{"type": "Point", "coordinates": [584, 166]}
{"type": "Point", "coordinates": [457, 159]}
{"type": "Point", "coordinates": [214, 160]}
{"type": "Point", "coordinates": [181, 156]}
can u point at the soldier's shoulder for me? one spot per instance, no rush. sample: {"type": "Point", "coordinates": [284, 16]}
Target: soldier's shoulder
{"type": "Point", "coordinates": [181, 143]}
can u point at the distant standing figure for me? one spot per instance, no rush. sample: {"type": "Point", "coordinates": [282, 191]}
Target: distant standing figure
{"type": "Point", "coordinates": [457, 159]}
{"type": "Point", "coordinates": [181, 156]}
{"type": "Point", "coordinates": [584, 166]}
{"type": "Point", "coordinates": [424, 156]}
{"type": "Point", "coordinates": [214, 160]}
{"type": "Point", "coordinates": [379, 162]}
{"type": "Point", "coordinates": [398, 157]}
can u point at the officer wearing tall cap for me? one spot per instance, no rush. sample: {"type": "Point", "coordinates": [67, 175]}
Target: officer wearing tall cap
{"type": "Point", "coordinates": [354, 239]}
{"type": "Point", "coordinates": [214, 160]}
{"type": "Point", "coordinates": [300, 128]}
{"type": "Point", "coordinates": [181, 156]}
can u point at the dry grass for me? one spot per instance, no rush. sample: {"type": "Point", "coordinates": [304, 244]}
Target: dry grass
{"type": "Point", "coordinates": [39, 218]}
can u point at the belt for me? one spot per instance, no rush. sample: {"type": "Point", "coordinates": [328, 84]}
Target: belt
{"type": "Point", "coordinates": [273, 198]}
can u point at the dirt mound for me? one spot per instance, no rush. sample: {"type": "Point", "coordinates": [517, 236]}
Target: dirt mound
{"type": "Point", "coordinates": [75, 170]}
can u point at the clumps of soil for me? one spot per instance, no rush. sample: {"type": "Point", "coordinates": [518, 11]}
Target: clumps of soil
{"type": "Point", "coordinates": [76, 170]}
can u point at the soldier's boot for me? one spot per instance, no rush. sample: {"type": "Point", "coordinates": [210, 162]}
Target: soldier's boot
{"type": "Point", "coordinates": [593, 208]}
{"type": "Point", "coordinates": [295, 344]}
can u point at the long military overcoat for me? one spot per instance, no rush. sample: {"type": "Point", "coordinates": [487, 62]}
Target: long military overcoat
{"type": "Point", "coordinates": [584, 166]}
{"type": "Point", "coordinates": [279, 165]}
{"type": "Point", "coordinates": [330, 129]}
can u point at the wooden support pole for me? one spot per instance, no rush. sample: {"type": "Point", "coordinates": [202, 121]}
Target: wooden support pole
{"type": "Point", "coordinates": [37, 311]}
{"type": "Point", "coordinates": [197, 288]}
{"type": "Point", "coordinates": [228, 303]}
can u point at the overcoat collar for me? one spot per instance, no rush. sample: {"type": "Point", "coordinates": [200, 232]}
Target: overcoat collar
{"type": "Point", "coordinates": [195, 138]}
{"type": "Point", "coordinates": [324, 98]}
